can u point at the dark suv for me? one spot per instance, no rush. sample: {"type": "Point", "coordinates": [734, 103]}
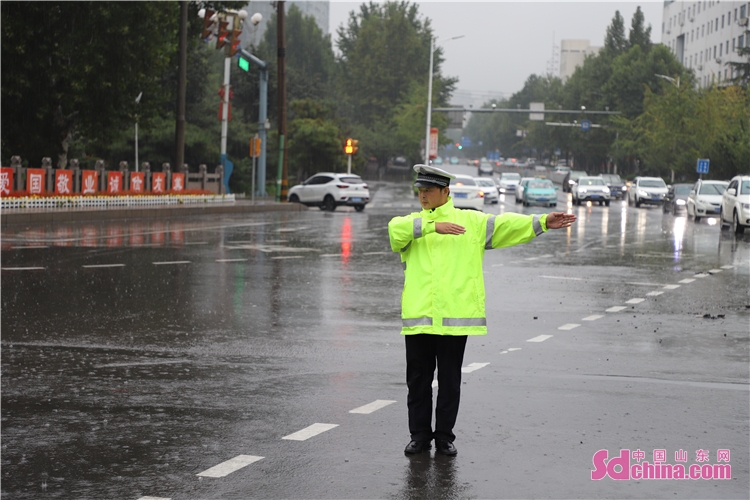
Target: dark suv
{"type": "Point", "coordinates": [617, 188]}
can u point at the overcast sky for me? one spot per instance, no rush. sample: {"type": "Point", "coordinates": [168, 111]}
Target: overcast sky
{"type": "Point", "coordinates": [505, 42]}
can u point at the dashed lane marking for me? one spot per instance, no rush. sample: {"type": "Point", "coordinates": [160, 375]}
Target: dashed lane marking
{"type": "Point", "coordinates": [31, 247]}
{"type": "Point", "coordinates": [231, 465]}
{"type": "Point", "coordinates": [371, 407]}
{"type": "Point", "coordinates": [686, 280]}
{"type": "Point", "coordinates": [310, 431]}
{"type": "Point", "coordinates": [615, 309]}
{"type": "Point", "coordinates": [154, 498]}
{"type": "Point", "coordinates": [102, 266]}
{"type": "Point", "coordinates": [568, 326]}
{"type": "Point", "coordinates": [671, 287]}
{"type": "Point", "coordinates": [714, 271]}
{"type": "Point", "coordinates": [196, 243]}
{"type": "Point", "coordinates": [654, 294]}
{"type": "Point", "coordinates": [377, 253]}
{"type": "Point", "coordinates": [561, 278]}
{"type": "Point", "coordinates": [511, 349]}
{"type": "Point", "coordinates": [473, 367]}
{"type": "Point", "coordinates": [593, 317]}
{"type": "Point", "coordinates": [23, 268]}
{"type": "Point", "coordinates": [540, 338]}
{"type": "Point", "coordinates": [498, 265]}
{"type": "Point", "coordinates": [727, 267]}
{"type": "Point", "coordinates": [287, 257]}
{"type": "Point", "coordinates": [231, 260]}
{"type": "Point", "coordinates": [635, 301]}
{"type": "Point", "coordinates": [171, 263]}
{"type": "Point", "coordinates": [702, 275]}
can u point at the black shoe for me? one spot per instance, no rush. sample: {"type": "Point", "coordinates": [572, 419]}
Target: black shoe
{"type": "Point", "coordinates": [417, 447]}
{"type": "Point", "coordinates": [445, 447]}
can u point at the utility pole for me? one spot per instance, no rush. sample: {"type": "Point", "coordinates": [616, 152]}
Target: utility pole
{"type": "Point", "coordinates": [281, 182]}
{"type": "Point", "coordinates": [179, 140]}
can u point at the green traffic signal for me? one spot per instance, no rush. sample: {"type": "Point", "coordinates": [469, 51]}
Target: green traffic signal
{"type": "Point", "coordinates": [244, 64]}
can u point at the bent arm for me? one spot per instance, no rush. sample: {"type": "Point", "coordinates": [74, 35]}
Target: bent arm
{"type": "Point", "coordinates": [403, 230]}
{"type": "Point", "coordinates": [514, 229]}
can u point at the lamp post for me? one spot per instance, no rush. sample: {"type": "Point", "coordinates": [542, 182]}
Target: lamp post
{"type": "Point", "coordinates": [429, 100]}
{"type": "Point", "coordinates": [137, 101]}
{"type": "Point", "coordinates": [676, 82]}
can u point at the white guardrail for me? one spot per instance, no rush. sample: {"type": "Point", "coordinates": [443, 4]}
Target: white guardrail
{"type": "Point", "coordinates": [111, 201]}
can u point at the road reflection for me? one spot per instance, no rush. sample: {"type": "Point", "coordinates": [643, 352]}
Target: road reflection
{"type": "Point", "coordinates": [427, 477]}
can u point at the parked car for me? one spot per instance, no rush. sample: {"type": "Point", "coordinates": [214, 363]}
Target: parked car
{"type": "Point", "coordinates": [676, 199]}
{"type": "Point", "coordinates": [540, 171]}
{"type": "Point", "coordinates": [647, 190]}
{"type": "Point", "coordinates": [617, 188]}
{"type": "Point", "coordinates": [436, 161]}
{"type": "Point", "coordinates": [521, 186]}
{"type": "Point", "coordinates": [454, 160]}
{"type": "Point", "coordinates": [491, 193]}
{"type": "Point", "coordinates": [571, 178]}
{"type": "Point", "coordinates": [590, 189]}
{"type": "Point", "coordinates": [704, 199]}
{"type": "Point", "coordinates": [509, 181]}
{"type": "Point", "coordinates": [485, 168]}
{"type": "Point", "coordinates": [539, 192]}
{"type": "Point", "coordinates": [735, 204]}
{"type": "Point", "coordinates": [466, 193]}
{"type": "Point", "coordinates": [329, 190]}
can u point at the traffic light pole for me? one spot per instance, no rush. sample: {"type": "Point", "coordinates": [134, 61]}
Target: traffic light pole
{"type": "Point", "coordinates": [349, 165]}
{"type": "Point", "coordinates": [262, 118]}
{"type": "Point", "coordinates": [228, 165]}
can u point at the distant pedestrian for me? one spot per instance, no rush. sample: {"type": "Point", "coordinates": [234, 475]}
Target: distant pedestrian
{"type": "Point", "coordinates": [443, 300]}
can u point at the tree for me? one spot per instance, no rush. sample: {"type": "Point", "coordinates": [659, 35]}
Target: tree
{"type": "Point", "coordinates": [742, 69]}
{"type": "Point", "coordinates": [638, 34]}
{"type": "Point", "coordinates": [615, 42]}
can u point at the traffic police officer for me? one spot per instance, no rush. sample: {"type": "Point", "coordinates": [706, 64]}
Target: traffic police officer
{"type": "Point", "coordinates": [443, 301]}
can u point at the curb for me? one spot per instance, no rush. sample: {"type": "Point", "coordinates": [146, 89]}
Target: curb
{"type": "Point", "coordinates": [73, 215]}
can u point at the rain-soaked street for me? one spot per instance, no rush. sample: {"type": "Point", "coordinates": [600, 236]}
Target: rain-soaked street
{"type": "Point", "coordinates": [259, 356]}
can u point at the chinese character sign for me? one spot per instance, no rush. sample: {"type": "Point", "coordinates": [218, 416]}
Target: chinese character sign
{"type": "Point", "coordinates": [178, 182]}
{"type": "Point", "coordinates": [114, 182]}
{"type": "Point", "coordinates": [137, 182]}
{"type": "Point", "coordinates": [158, 181]}
{"type": "Point", "coordinates": [63, 182]}
{"type": "Point", "coordinates": [6, 181]}
{"type": "Point", "coordinates": [89, 180]}
{"type": "Point", "coordinates": [35, 180]}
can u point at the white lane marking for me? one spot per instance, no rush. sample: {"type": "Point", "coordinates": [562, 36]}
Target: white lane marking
{"type": "Point", "coordinates": [231, 260]}
{"type": "Point", "coordinates": [95, 266]}
{"type": "Point", "coordinates": [686, 280]}
{"type": "Point", "coordinates": [561, 278]}
{"type": "Point", "coordinates": [231, 465]}
{"type": "Point", "coordinates": [671, 287]}
{"type": "Point", "coordinates": [371, 407]}
{"type": "Point", "coordinates": [702, 275]}
{"type": "Point", "coordinates": [154, 498]}
{"type": "Point", "coordinates": [310, 431]}
{"type": "Point", "coordinates": [635, 301]}
{"type": "Point", "coordinates": [540, 338]}
{"type": "Point", "coordinates": [642, 284]}
{"type": "Point", "coordinates": [387, 204]}
{"type": "Point", "coordinates": [568, 326]}
{"type": "Point", "coordinates": [330, 255]}
{"type": "Point", "coordinates": [514, 349]}
{"type": "Point", "coordinates": [196, 243]}
{"type": "Point", "coordinates": [473, 367]}
{"type": "Point", "coordinates": [615, 309]}
{"type": "Point", "coordinates": [727, 267]}
{"type": "Point", "coordinates": [377, 253]}
{"type": "Point", "coordinates": [531, 258]}
{"type": "Point", "coordinates": [546, 256]}
{"type": "Point", "coordinates": [498, 265]}
{"type": "Point", "coordinates": [287, 257]}
{"type": "Point", "coordinates": [170, 263]}
{"type": "Point", "coordinates": [23, 268]}
{"type": "Point", "coordinates": [593, 317]}
{"type": "Point", "coordinates": [434, 384]}
{"type": "Point", "coordinates": [714, 271]}
{"type": "Point", "coordinates": [654, 294]}
{"type": "Point", "coordinates": [31, 247]}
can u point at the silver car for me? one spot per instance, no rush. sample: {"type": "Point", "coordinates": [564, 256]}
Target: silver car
{"type": "Point", "coordinates": [486, 184]}
{"type": "Point", "coordinates": [590, 189]}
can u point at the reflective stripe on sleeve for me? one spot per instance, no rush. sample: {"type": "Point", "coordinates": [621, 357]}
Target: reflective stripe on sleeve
{"type": "Point", "coordinates": [424, 321]}
{"type": "Point", "coordinates": [490, 230]}
{"type": "Point", "coordinates": [417, 228]}
{"type": "Point", "coordinates": [404, 264]}
{"type": "Point", "coordinates": [537, 223]}
{"type": "Point", "coordinates": [407, 246]}
{"type": "Point", "coordinates": [464, 321]}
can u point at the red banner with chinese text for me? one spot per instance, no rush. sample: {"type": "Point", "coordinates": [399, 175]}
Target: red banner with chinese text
{"type": "Point", "coordinates": [114, 182]}
{"type": "Point", "coordinates": [6, 181]}
{"type": "Point", "coordinates": [89, 181]}
{"type": "Point", "coordinates": [35, 180]}
{"type": "Point", "coordinates": [137, 182]}
{"type": "Point", "coordinates": [178, 182]}
{"type": "Point", "coordinates": [158, 182]}
{"type": "Point", "coordinates": [63, 182]}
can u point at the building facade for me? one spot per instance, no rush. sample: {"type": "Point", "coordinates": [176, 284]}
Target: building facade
{"type": "Point", "coordinates": [252, 35]}
{"type": "Point", "coordinates": [705, 36]}
{"type": "Point", "coordinates": [572, 55]}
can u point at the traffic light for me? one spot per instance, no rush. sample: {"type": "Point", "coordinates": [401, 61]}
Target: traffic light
{"type": "Point", "coordinates": [209, 23]}
{"type": "Point", "coordinates": [255, 144]}
{"type": "Point", "coordinates": [351, 146]}
{"type": "Point", "coordinates": [222, 37]}
{"type": "Point", "coordinates": [235, 46]}
{"type": "Point", "coordinates": [355, 146]}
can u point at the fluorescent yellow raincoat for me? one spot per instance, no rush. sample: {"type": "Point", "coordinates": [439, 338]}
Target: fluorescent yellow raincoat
{"type": "Point", "coordinates": [443, 282]}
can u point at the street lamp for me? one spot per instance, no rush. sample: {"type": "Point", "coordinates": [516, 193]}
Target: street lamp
{"type": "Point", "coordinates": [676, 83]}
{"type": "Point", "coordinates": [137, 101]}
{"type": "Point", "coordinates": [429, 100]}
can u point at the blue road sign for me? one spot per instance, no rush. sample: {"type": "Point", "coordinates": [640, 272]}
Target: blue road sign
{"type": "Point", "coordinates": [702, 167]}
{"type": "Point", "coordinates": [585, 125]}
{"type": "Point", "coordinates": [465, 142]}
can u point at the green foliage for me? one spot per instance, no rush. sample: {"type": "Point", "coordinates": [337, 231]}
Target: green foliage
{"type": "Point", "coordinates": [742, 69]}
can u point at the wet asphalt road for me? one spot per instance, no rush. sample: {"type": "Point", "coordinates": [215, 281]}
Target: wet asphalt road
{"type": "Point", "coordinates": [139, 356]}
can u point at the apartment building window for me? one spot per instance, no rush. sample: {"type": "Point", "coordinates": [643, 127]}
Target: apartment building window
{"type": "Point", "coordinates": [729, 18]}
{"type": "Point", "coordinates": [727, 49]}
{"type": "Point", "coordinates": [714, 51]}
{"type": "Point", "coordinates": [722, 21]}
{"type": "Point", "coordinates": [742, 11]}
{"type": "Point", "coordinates": [703, 30]}
{"type": "Point", "coordinates": [721, 46]}
{"type": "Point", "coordinates": [740, 41]}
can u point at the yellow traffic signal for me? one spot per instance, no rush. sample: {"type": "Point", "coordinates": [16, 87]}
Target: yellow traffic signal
{"type": "Point", "coordinates": [351, 146]}
{"type": "Point", "coordinates": [255, 144]}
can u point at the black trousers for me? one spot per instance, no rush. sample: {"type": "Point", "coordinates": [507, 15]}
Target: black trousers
{"type": "Point", "coordinates": [423, 353]}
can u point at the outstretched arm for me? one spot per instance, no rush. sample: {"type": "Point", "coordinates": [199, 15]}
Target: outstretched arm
{"type": "Point", "coordinates": [559, 220]}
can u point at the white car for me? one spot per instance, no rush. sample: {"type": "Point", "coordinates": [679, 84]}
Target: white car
{"type": "Point", "coordinates": [735, 204]}
{"type": "Point", "coordinates": [491, 193]}
{"type": "Point", "coordinates": [509, 181]}
{"type": "Point", "coordinates": [466, 193]}
{"type": "Point", "coordinates": [647, 190]}
{"type": "Point", "coordinates": [704, 199]}
{"type": "Point", "coordinates": [519, 188]}
{"type": "Point", "coordinates": [590, 189]}
{"type": "Point", "coordinates": [329, 190]}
